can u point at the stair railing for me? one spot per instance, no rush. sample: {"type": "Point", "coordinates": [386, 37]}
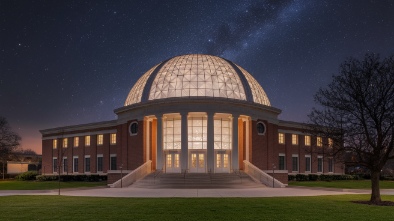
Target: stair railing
{"type": "Point", "coordinates": [134, 175]}
{"type": "Point", "coordinates": [261, 176]}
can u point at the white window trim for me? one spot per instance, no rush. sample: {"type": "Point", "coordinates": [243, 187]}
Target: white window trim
{"type": "Point", "coordinates": [322, 164]}
{"type": "Point", "coordinates": [99, 155]}
{"type": "Point", "coordinates": [310, 163]}
{"type": "Point", "coordinates": [54, 171]}
{"type": "Point", "coordinates": [75, 157]}
{"type": "Point", "coordinates": [84, 164]}
{"type": "Point", "coordinates": [298, 163]}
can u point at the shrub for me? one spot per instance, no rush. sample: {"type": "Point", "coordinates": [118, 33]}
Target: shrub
{"type": "Point", "coordinates": [302, 177]}
{"type": "Point", "coordinates": [76, 178]}
{"type": "Point", "coordinates": [29, 175]}
{"type": "Point", "coordinates": [313, 177]}
{"type": "Point", "coordinates": [291, 177]}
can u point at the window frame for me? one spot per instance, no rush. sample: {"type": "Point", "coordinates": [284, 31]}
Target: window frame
{"type": "Point", "coordinates": [87, 141]}
{"type": "Point", "coordinates": [294, 139]}
{"type": "Point", "coordinates": [282, 155]}
{"type": "Point", "coordinates": [112, 138]}
{"type": "Point", "coordinates": [76, 141]}
{"type": "Point", "coordinates": [281, 138]}
{"type": "Point", "coordinates": [307, 140]}
{"type": "Point", "coordinates": [75, 165]}
{"type": "Point", "coordinates": [100, 139]}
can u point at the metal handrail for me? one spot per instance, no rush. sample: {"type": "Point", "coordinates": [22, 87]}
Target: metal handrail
{"type": "Point", "coordinates": [261, 176]}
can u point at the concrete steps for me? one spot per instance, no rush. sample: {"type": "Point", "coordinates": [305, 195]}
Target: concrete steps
{"type": "Point", "coordinates": [157, 180]}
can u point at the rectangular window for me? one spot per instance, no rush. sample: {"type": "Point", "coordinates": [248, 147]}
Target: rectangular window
{"type": "Point", "coordinates": [75, 165]}
{"type": "Point", "coordinates": [55, 165]}
{"type": "Point", "coordinates": [65, 143]}
{"type": "Point", "coordinates": [87, 141]}
{"type": "Point", "coordinates": [330, 142]}
{"type": "Point", "coordinates": [295, 163]}
{"type": "Point", "coordinates": [54, 144]}
{"type": "Point", "coordinates": [100, 139]}
{"type": "Point", "coordinates": [65, 165]}
{"type": "Point", "coordinates": [197, 132]}
{"type": "Point", "coordinates": [222, 132]}
{"type": "Point", "coordinates": [294, 139]}
{"type": "Point", "coordinates": [307, 140]}
{"type": "Point", "coordinates": [172, 133]}
{"type": "Point", "coordinates": [330, 165]}
{"type": "Point", "coordinates": [319, 141]}
{"type": "Point", "coordinates": [307, 163]}
{"type": "Point", "coordinates": [282, 165]}
{"type": "Point", "coordinates": [87, 163]}
{"type": "Point", "coordinates": [113, 162]}
{"type": "Point", "coordinates": [113, 138]}
{"type": "Point", "coordinates": [281, 138]}
{"type": "Point", "coordinates": [319, 164]}
{"type": "Point", "coordinates": [76, 141]}
{"type": "Point", "coordinates": [99, 163]}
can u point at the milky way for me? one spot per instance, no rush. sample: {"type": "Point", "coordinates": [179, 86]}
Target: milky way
{"type": "Point", "coordinates": [71, 62]}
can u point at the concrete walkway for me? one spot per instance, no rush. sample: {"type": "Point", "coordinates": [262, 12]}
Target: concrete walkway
{"type": "Point", "coordinates": [158, 193]}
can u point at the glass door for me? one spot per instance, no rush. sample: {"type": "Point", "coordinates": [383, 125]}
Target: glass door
{"type": "Point", "coordinates": [222, 163]}
{"type": "Point", "coordinates": [197, 162]}
{"type": "Point", "coordinates": [172, 163]}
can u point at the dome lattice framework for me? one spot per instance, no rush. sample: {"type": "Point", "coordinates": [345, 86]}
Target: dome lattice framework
{"type": "Point", "coordinates": [197, 75]}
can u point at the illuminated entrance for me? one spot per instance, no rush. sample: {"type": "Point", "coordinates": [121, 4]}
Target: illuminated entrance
{"type": "Point", "coordinates": [172, 162]}
{"type": "Point", "coordinates": [222, 164]}
{"type": "Point", "coordinates": [197, 162]}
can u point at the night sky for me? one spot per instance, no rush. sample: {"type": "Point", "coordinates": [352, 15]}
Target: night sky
{"type": "Point", "coordinates": [70, 62]}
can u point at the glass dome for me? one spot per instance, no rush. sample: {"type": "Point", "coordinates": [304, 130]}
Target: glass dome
{"type": "Point", "coordinates": [197, 75]}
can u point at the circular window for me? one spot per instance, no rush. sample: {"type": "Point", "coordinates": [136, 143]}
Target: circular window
{"type": "Point", "coordinates": [133, 128]}
{"type": "Point", "coordinates": [260, 128]}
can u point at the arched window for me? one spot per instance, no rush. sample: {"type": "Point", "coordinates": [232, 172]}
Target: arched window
{"type": "Point", "coordinates": [133, 129]}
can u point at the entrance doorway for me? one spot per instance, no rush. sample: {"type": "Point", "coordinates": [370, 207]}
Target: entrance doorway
{"type": "Point", "coordinates": [222, 163]}
{"type": "Point", "coordinates": [172, 163]}
{"type": "Point", "coordinates": [197, 162]}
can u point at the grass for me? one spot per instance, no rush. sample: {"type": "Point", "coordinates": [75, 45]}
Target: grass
{"type": "Point", "coordinates": [279, 208]}
{"type": "Point", "coordinates": [343, 184]}
{"type": "Point", "coordinates": [47, 185]}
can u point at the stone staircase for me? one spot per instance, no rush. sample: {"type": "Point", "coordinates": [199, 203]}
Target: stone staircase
{"type": "Point", "coordinates": [158, 180]}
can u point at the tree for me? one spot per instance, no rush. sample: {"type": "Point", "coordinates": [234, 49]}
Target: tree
{"type": "Point", "coordinates": [9, 141]}
{"type": "Point", "coordinates": [357, 112]}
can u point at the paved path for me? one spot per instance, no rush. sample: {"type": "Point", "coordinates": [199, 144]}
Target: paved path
{"type": "Point", "coordinates": [152, 193]}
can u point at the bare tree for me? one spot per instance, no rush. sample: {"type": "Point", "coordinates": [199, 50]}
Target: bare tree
{"type": "Point", "coordinates": [357, 112]}
{"type": "Point", "coordinates": [9, 141]}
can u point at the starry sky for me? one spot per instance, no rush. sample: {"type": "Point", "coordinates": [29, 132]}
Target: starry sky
{"type": "Point", "coordinates": [73, 62]}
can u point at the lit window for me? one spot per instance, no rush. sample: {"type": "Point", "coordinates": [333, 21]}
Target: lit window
{"type": "Point", "coordinates": [172, 133]}
{"type": "Point", "coordinates": [282, 162]}
{"type": "Point", "coordinates": [65, 143]}
{"type": "Point", "coordinates": [197, 132]}
{"type": "Point", "coordinates": [260, 128]}
{"type": "Point", "coordinates": [319, 142]}
{"type": "Point", "coordinates": [113, 138]}
{"type": "Point", "coordinates": [87, 140]}
{"type": "Point", "coordinates": [133, 129]}
{"type": "Point", "coordinates": [281, 138]}
{"type": "Point", "coordinates": [222, 133]}
{"type": "Point", "coordinates": [307, 140]}
{"type": "Point", "coordinates": [294, 139]}
{"type": "Point", "coordinates": [330, 142]}
{"type": "Point", "coordinates": [100, 139]}
{"type": "Point", "coordinates": [76, 141]}
{"type": "Point", "coordinates": [54, 144]}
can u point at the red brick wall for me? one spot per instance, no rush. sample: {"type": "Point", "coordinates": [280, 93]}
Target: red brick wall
{"type": "Point", "coordinates": [136, 148]}
{"type": "Point", "coordinates": [47, 156]}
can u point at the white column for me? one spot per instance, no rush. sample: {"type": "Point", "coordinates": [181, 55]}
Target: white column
{"type": "Point", "coordinates": [210, 143]}
{"type": "Point", "coordinates": [159, 145]}
{"type": "Point", "coordinates": [234, 151]}
{"type": "Point", "coordinates": [184, 142]}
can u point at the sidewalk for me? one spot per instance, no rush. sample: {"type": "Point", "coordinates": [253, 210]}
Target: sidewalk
{"type": "Point", "coordinates": [163, 193]}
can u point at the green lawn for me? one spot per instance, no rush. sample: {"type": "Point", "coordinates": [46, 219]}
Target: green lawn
{"type": "Point", "coordinates": [343, 184]}
{"type": "Point", "coordinates": [278, 208]}
{"type": "Point", "coordinates": [34, 185]}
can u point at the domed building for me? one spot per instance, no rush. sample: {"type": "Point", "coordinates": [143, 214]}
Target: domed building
{"type": "Point", "coordinates": [190, 114]}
